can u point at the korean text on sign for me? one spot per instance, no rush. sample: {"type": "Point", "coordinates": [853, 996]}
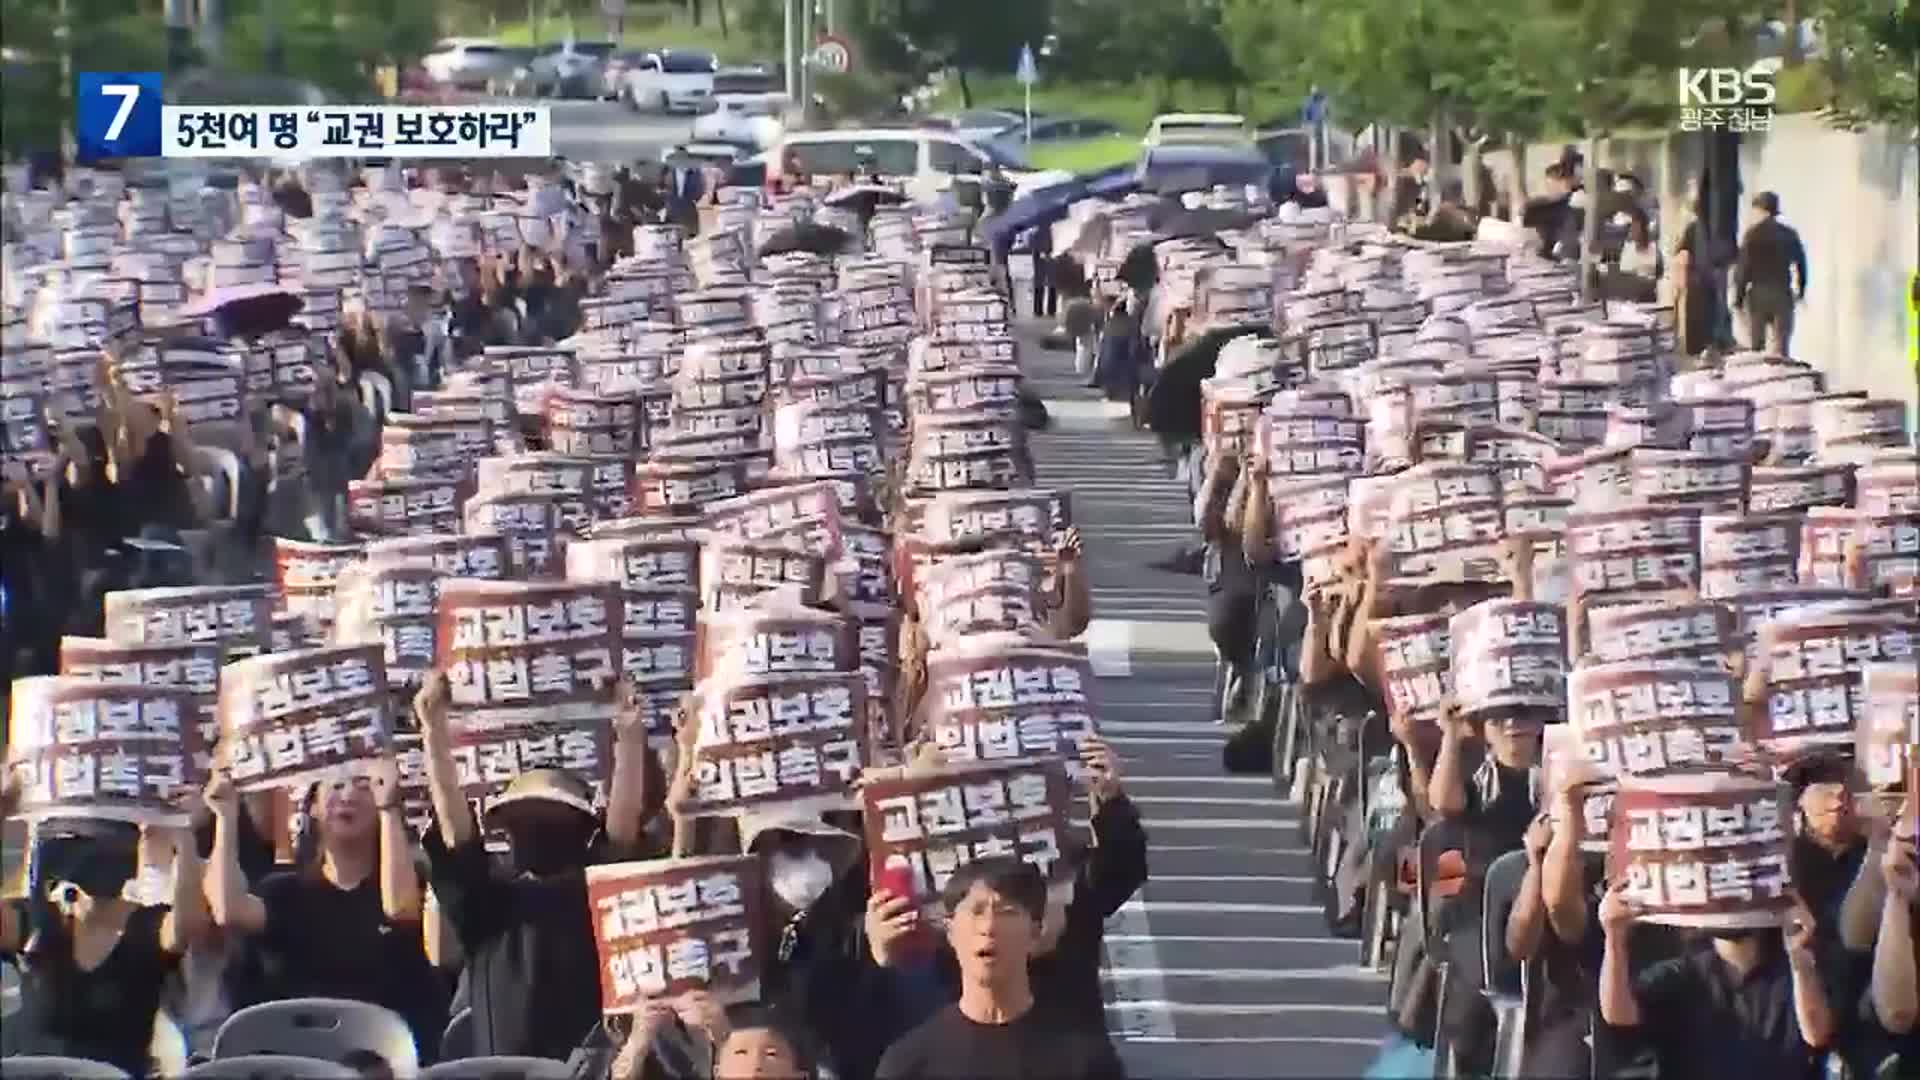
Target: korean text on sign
{"type": "Point", "coordinates": [1703, 851]}
{"type": "Point", "coordinates": [87, 749]}
{"type": "Point", "coordinates": [224, 131]}
{"type": "Point", "coordinates": [239, 618]}
{"type": "Point", "coordinates": [938, 822]}
{"type": "Point", "coordinates": [525, 652]}
{"type": "Point", "coordinates": [289, 717]}
{"type": "Point", "coordinates": [786, 739]}
{"type": "Point", "coordinates": [667, 927]}
{"type": "Point", "coordinates": [1650, 718]}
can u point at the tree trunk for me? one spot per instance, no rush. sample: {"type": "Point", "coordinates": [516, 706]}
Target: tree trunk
{"type": "Point", "coordinates": [1470, 193]}
{"type": "Point", "coordinates": [1440, 152]}
{"type": "Point", "coordinates": [1792, 18]}
{"type": "Point", "coordinates": [1517, 194]}
{"type": "Point", "coordinates": [696, 11]}
{"type": "Point", "coordinates": [966, 92]}
{"type": "Point", "coordinates": [1389, 194]}
{"type": "Point", "coordinates": [1590, 232]}
{"type": "Point", "coordinates": [720, 12]}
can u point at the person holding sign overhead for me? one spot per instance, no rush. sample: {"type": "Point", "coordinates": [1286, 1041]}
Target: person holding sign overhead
{"type": "Point", "coordinates": [93, 964]}
{"type": "Point", "coordinates": [528, 935]}
{"type": "Point", "coordinates": [353, 875]}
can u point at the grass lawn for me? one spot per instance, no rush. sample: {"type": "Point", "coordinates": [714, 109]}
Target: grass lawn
{"type": "Point", "coordinates": [1085, 155]}
{"type": "Point", "coordinates": [649, 27]}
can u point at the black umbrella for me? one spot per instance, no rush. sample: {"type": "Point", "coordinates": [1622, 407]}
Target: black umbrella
{"type": "Point", "coordinates": [246, 311]}
{"type": "Point", "coordinates": [863, 199]}
{"type": "Point", "coordinates": [1173, 405]}
{"type": "Point", "coordinates": [807, 236]}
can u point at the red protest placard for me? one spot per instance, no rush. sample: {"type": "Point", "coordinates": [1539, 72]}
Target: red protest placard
{"type": "Point", "coordinates": [1634, 549]}
{"type": "Point", "coordinates": [1414, 655]}
{"type": "Point", "coordinates": [288, 718]}
{"type": "Point", "coordinates": [936, 822]}
{"type": "Point", "coordinates": [666, 927]}
{"type": "Point", "coordinates": [1509, 658]}
{"type": "Point", "coordinates": [1813, 660]}
{"type": "Point", "coordinates": [238, 618]}
{"type": "Point", "coordinates": [1655, 718]}
{"type": "Point", "coordinates": [796, 741]}
{"type": "Point", "coordinates": [517, 654]}
{"type": "Point", "coordinates": [1707, 851]}
{"type": "Point", "coordinates": [80, 748]}
{"type": "Point", "coordinates": [1889, 723]}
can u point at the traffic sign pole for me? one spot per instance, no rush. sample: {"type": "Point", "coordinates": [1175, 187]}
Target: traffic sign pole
{"type": "Point", "coordinates": [1028, 73]}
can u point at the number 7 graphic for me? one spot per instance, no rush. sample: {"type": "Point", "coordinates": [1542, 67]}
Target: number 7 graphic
{"type": "Point", "coordinates": [128, 93]}
{"type": "Point", "coordinates": [118, 114]}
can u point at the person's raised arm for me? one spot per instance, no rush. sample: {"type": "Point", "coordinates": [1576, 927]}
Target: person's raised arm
{"type": "Point", "coordinates": [1860, 910]}
{"type": "Point", "coordinates": [1810, 1005]}
{"type": "Point", "coordinates": [1896, 998]}
{"type": "Point", "coordinates": [1075, 608]}
{"type": "Point", "coordinates": [188, 920]}
{"type": "Point", "coordinates": [1447, 791]}
{"type": "Point", "coordinates": [1317, 662]}
{"type": "Point", "coordinates": [1209, 507]}
{"type": "Point", "coordinates": [232, 903]}
{"type": "Point", "coordinates": [13, 927]}
{"type": "Point", "coordinates": [1619, 1006]}
{"type": "Point", "coordinates": [1563, 875]}
{"type": "Point", "coordinates": [1256, 533]}
{"type": "Point", "coordinates": [630, 788]}
{"type": "Point", "coordinates": [402, 894]}
{"type": "Point", "coordinates": [1119, 856]}
{"type": "Point", "coordinates": [451, 810]}
{"type": "Point", "coordinates": [1527, 922]}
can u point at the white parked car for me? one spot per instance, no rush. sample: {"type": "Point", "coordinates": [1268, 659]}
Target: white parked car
{"type": "Point", "coordinates": [925, 162]}
{"type": "Point", "coordinates": [671, 80]}
{"type": "Point", "coordinates": [468, 62]}
{"type": "Point", "coordinates": [1198, 127]}
{"type": "Point", "coordinates": [749, 120]}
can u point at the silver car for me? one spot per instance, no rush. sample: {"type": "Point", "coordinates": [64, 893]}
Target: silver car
{"type": "Point", "coordinates": [468, 62]}
{"type": "Point", "coordinates": [571, 69]}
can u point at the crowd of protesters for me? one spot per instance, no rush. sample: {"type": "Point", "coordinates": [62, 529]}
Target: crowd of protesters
{"type": "Point", "coordinates": [492, 951]}
{"type": "Point", "coordinates": [482, 951]}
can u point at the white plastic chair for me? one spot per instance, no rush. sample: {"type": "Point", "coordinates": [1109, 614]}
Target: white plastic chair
{"type": "Point", "coordinates": [227, 464]}
{"type": "Point", "coordinates": [270, 1067]}
{"type": "Point", "coordinates": [168, 1050]}
{"type": "Point", "coordinates": [328, 1028]}
{"type": "Point", "coordinates": [49, 1067]}
{"type": "Point", "coordinates": [376, 392]}
{"type": "Point", "coordinates": [499, 1068]}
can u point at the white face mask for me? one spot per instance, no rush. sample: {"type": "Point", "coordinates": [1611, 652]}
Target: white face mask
{"type": "Point", "coordinates": [799, 879]}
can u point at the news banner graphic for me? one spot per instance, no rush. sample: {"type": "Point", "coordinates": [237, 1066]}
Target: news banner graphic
{"type": "Point", "coordinates": [125, 115]}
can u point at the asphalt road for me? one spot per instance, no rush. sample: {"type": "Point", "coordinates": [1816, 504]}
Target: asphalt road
{"type": "Point", "coordinates": [611, 132]}
{"type": "Point", "coordinates": [1222, 967]}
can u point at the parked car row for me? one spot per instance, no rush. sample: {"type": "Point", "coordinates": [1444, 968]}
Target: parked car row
{"type": "Point", "coordinates": [656, 80]}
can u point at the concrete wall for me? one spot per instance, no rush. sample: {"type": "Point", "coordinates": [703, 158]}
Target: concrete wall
{"type": "Point", "coordinates": [1855, 199]}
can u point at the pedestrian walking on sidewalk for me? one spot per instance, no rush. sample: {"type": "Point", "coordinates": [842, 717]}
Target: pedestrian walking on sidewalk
{"type": "Point", "coordinates": [1769, 277]}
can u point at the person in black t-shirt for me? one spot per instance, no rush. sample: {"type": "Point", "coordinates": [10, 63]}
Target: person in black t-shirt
{"type": "Point", "coordinates": [93, 964]}
{"type": "Point", "coordinates": [1828, 845]}
{"type": "Point", "coordinates": [1550, 923]}
{"type": "Point", "coordinates": [995, 1032]}
{"type": "Point", "coordinates": [345, 922]}
{"type": "Point", "coordinates": [1742, 1004]}
{"type": "Point", "coordinates": [532, 967]}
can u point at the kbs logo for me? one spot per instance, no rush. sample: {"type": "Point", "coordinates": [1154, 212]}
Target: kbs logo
{"type": "Point", "coordinates": [1729, 99]}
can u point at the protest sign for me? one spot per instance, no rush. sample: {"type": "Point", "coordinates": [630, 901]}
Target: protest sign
{"type": "Point", "coordinates": [1888, 484]}
{"type": "Point", "coordinates": [306, 574]}
{"type": "Point", "coordinates": [1414, 656]}
{"type": "Point", "coordinates": [1681, 477]}
{"type": "Point", "coordinates": [936, 822]}
{"type": "Point", "coordinates": [1509, 660]}
{"type": "Point", "coordinates": [1655, 718]}
{"type": "Point", "coordinates": [1705, 851]}
{"type": "Point", "coordinates": [238, 618]}
{"type": "Point", "coordinates": [635, 561]}
{"type": "Point", "coordinates": [774, 636]}
{"type": "Point", "coordinates": [474, 555]}
{"type": "Point", "coordinates": [733, 572]}
{"type": "Point", "coordinates": [1697, 633]}
{"type": "Point", "coordinates": [796, 741]}
{"type": "Point", "coordinates": [393, 604]}
{"type": "Point", "coordinates": [809, 510]}
{"type": "Point", "coordinates": [1445, 523]}
{"type": "Point", "coordinates": [191, 669]}
{"type": "Point", "coordinates": [1007, 700]}
{"type": "Point", "coordinates": [1780, 489]}
{"type": "Point", "coordinates": [667, 927]}
{"type": "Point", "coordinates": [1634, 549]}
{"type": "Point", "coordinates": [418, 504]}
{"type": "Point", "coordinates": [1567, 763]}
{"type": "Point", "coordinates": [665, 488]}
{"type": "Point", "coordinates": [1889, 723]}
{"type": "Point", "coordinates": [1813, 660]}
{"type": "Point", "coordinates": [293, 717]}
{"type": "Point", "coordinates": [1747, 553]}
{"type": "Point", "coordinates": [108, 751]}
{"type": "Point", "coordinates": [529, 653]}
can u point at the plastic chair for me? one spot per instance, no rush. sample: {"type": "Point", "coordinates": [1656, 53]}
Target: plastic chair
{"type": "Point", "coordinates": [49, 1067]}
{"type": "Point", "coordinates": [169, 1047]}
{"type": "Point", "coordinates": [376, 392]}
{"type": "Point", "coordinates": [227, 463]}
{"type": "Point", "coordinates": [272, 1067]}
{"type": "Point", "coordinates": [1439, 839]}
{"type": "Point", "coordinates": [457, 1040]}
{"type": "Point", "coordinates": [499, 1068]}
{"type": "Point", "coordinates": [1505, 977]}
{"type": "Point", "coordinates": [326, 1028]}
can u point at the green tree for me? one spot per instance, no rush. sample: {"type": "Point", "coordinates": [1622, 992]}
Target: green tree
{"type": "Point", "coordinates": [1871, 56]}
{"type": "Point", "coordinates": [978, 35]}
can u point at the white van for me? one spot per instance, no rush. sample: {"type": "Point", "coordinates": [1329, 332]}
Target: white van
{"type": "Point", "coordinates": [670, 80]}
{"type": "Point", "coordinates": [1198, 127]}
{"type": "Point", "coordinates": [928, 162]}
